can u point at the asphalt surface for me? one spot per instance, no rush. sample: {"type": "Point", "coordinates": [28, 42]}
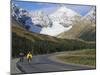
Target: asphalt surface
{"type": "Point", "coordinates": [41, 63]}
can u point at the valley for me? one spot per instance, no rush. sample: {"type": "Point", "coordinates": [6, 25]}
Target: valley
{"type": "Point", "coordinates": [60, 40]}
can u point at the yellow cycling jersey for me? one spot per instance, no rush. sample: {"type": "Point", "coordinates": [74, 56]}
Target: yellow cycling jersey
{"type": "Point", "coordinates": [29, 55]}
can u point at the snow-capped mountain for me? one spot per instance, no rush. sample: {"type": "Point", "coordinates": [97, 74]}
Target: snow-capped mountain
{"type": "Point", "coordinates": [64, 16]}
{"type": "Point", "coordinates": [84, 29]}
{"type": "Point", "coordinates": [62, 19]}
{"type": "Point", "coordinates": [24, 18]}
{"type": "Point", "coordinates": [39, 18]}
{"type": "Point", "coordinates": [18, 12]}
{"type": "Point", "coordinates": [52, 24]}
{"type": "Point", "coordinates": [90, 17]}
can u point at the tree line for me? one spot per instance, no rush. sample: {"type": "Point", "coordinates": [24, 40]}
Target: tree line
{"type": "Point", "coordinates": [24, 45]}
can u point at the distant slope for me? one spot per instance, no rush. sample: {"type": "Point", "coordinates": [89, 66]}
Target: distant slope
{"type": "Point", "coordinates": [24, 41]}
{"type": "Point", "coordinates": [80, 31]}
{"type": "Point", "coordinates": [74, 32]}
{"type": "Point", "coordinates": [89, 34]}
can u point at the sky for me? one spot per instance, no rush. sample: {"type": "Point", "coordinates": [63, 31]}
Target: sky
{"type": "Point", "coordinates": [50, 7]}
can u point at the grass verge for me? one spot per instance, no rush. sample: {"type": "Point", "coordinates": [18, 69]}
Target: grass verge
{"type": "Point", "coordinates": [84, 57]}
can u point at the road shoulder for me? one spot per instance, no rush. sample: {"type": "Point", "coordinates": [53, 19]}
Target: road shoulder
{"type": "Point", "coordinates": [14, 68]}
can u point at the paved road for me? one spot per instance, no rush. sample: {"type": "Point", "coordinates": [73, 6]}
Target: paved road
{"type": "Point", "coordinates": [42, 63]}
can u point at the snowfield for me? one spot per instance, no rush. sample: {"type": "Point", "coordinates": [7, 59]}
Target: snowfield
{"type": "Point", "coordinates": [55, 29]}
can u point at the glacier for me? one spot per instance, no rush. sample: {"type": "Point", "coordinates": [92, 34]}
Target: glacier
{"type": "Point", "coordinates": [55, 29]}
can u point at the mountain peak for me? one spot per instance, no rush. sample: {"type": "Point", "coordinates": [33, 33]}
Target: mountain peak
{"type": "Point", "coordinates": [62, 8]}
{"type": "Point", "coordinates": [90, 16]}
{"type": "Point", "coordinates": [66, 10]}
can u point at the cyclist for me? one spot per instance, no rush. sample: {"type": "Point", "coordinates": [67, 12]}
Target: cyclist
{"type": "Point", "coordinates": [21, 56]}
{"type": "Point", "coordinates": [29, 56]}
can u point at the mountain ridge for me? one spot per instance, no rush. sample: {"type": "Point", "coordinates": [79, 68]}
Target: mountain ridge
{"type": "Point", "coordinates": [62, 20]}
{"type": "Point", "coordinates": [42, 23]}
